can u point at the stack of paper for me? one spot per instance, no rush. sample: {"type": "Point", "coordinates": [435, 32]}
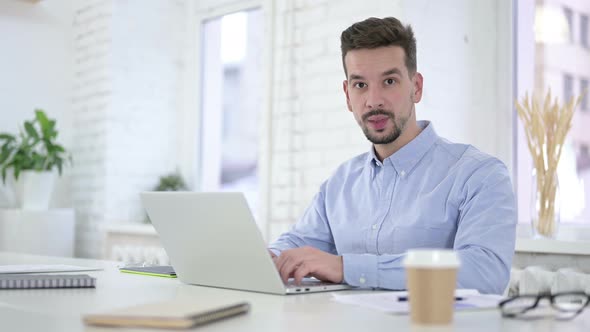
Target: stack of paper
{"type": "Point", "coordinates": [24, 268]}
{"type": "Point", "coordinates": [395, 302]}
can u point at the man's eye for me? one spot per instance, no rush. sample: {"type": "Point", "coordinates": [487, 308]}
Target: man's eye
{"type": "Point", "coordinates": [389, 81]}
{"type": "Point", "coordinates": [360, 85]}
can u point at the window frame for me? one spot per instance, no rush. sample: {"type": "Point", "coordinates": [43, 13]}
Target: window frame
{"type": "Point", "coordinates": [569, 15]}
{"type": "Point", "coordinates": [524, 80]}
{"type": "Point", "coordinates": [584, 31]}
{"type": "Point", "coordinates": [189, 114]}
{"type": "Point", "coordinates": [584, 85]}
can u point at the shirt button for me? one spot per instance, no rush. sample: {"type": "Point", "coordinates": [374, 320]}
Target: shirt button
{"type": "Point", "coordinates": [374, 226]}
{"type": "Point", "coordinates": [403, 173]}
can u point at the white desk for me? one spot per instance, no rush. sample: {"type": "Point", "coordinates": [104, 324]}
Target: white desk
{"type": "Point", "coordinates": [61, 309]}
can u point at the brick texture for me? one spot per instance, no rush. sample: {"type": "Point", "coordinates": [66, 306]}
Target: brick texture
{"type": "Point", "coordinates": [127, 64]}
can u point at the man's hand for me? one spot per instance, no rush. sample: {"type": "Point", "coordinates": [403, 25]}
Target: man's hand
{"type": "Point", "coordinates": [304, 261]}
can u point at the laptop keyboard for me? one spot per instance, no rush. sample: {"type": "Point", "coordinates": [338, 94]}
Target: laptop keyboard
{"type": "Point", "coordinates": [307, 282]}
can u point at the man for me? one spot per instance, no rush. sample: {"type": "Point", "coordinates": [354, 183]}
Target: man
{"type": "Point", "coordinates": [413, 189]}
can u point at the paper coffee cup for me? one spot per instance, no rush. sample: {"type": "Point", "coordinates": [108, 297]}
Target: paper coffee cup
{"type": "Point", "coordinates": [431, 277]}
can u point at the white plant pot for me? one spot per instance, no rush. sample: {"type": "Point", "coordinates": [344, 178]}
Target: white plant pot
{"type": "Point", "coordinates": [33, 189]}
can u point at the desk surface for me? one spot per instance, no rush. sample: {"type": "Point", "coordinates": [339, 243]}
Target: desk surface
{"type": "Point", "coordinates": [62, 309]}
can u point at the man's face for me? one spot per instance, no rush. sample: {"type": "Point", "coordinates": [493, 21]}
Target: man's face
{"type": "Point", "coordinates": [380, 93]}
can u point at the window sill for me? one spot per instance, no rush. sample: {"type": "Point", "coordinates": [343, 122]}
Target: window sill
{"type": "Point", "coordinates": [132, 229]}
{"type": "Point", "coordinates": [571, 240]}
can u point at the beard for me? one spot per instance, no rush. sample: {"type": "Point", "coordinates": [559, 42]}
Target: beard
{"type": "Point", "coordinates": [379, 138]}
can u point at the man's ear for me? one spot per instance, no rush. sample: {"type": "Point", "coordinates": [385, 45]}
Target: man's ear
{"type": "Point", "coordinates": [418, 82]}
{"type": "Point", "coordinates": [345, 88]}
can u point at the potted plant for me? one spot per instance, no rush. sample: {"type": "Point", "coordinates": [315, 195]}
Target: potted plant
{"type": "Point", "coordinates": [31, 158]}
{"type": "Point", "coordinates": [169, 182]}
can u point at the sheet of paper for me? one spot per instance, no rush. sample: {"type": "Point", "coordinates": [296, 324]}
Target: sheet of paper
{"type": "Point", "coordinates": [389, 301]}
{"type": "Point", "coordinates": [5, 269]}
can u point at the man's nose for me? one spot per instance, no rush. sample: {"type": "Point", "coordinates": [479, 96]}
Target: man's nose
{"type": "Point", "coordinates": [375, 99]}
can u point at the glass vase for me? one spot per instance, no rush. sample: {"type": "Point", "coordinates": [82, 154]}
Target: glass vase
{"type": "Point", "coordinates": [545, 204]}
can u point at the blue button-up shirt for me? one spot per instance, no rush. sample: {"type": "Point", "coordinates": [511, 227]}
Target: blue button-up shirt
{"type": "Point", "coordinates": [429, 194]}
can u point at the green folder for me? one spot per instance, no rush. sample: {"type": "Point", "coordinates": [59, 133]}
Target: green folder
{"type": "Point", "coordinates": [165, 271]}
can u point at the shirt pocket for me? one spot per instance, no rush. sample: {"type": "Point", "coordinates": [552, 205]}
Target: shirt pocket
{"type": "Point", "coordinates": [414, 237]}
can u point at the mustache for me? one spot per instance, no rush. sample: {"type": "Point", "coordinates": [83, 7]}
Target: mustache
{"type": "Point", "coordinates": [377, 112]}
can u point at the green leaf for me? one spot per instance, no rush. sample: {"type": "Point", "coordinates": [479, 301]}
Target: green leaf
{"type": "Point", "coordinates": [31, 131]}
{"type": "Point", "coordinates": [49, 131]}
{"type": "Point", "coordinates": [58, 148]}
{"type": "Point", "coordinates": [7, 137]}
{"type": "Point", "coordinates": [42, 118]}
{"type": "Point", "coordinates": [47, 125]}
{"type": "Point", "coordinates": [7, 147]}
{"type": "Point", "coordinates": [4, 155]}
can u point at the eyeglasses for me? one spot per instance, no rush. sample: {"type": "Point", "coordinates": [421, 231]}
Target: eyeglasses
{"type": "Point", "coordinates": [564, 305]}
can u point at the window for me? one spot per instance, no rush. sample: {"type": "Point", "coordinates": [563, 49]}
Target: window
{"type": "Point", "coordinates": [545, 60]}
{"type": "Point", "coordinates": [569, 16]}
{"type": "Point", "coordinates": [231, 100]}
{"type": "Point", "coordinates": [584, 31]}
{"type": "Point", "coordinates": [584, 91]}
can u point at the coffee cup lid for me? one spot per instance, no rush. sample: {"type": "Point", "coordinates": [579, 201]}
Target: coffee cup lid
{"type": "Point", "coordinates": [431, 258]}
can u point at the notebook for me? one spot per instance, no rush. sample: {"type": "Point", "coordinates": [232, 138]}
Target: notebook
{"type": "Point", "coordinates": [212, 240]}
{"type": "Point", "coordinates": [165, 271]}
{"type": "Point", "coordinates": [174, 314]}
{"type": "Point", "coordinates": [29, 281]}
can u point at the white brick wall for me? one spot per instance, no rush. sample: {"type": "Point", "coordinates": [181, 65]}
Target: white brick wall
{"type": "Point", "coordinates": [91, 98]}
{"type": "Point", "coordinates": [126, 95]}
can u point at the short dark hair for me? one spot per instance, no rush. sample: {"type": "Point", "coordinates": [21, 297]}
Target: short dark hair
{"type": "Point", "coordinates": [380, 32]}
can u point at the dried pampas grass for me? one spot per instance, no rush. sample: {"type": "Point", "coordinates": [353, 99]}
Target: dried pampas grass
{"type": "Point", "coordinates": [546, 126]}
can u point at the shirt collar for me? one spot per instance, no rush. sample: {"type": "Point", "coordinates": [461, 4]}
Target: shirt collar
{"type": "Point", "coordinates": [372, 159]}
{"type": "Point", "coordinates": [406, 158]}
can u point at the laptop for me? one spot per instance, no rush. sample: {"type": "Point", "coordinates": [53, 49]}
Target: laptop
{"type": "Point", "coordinates": [212, 240]}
